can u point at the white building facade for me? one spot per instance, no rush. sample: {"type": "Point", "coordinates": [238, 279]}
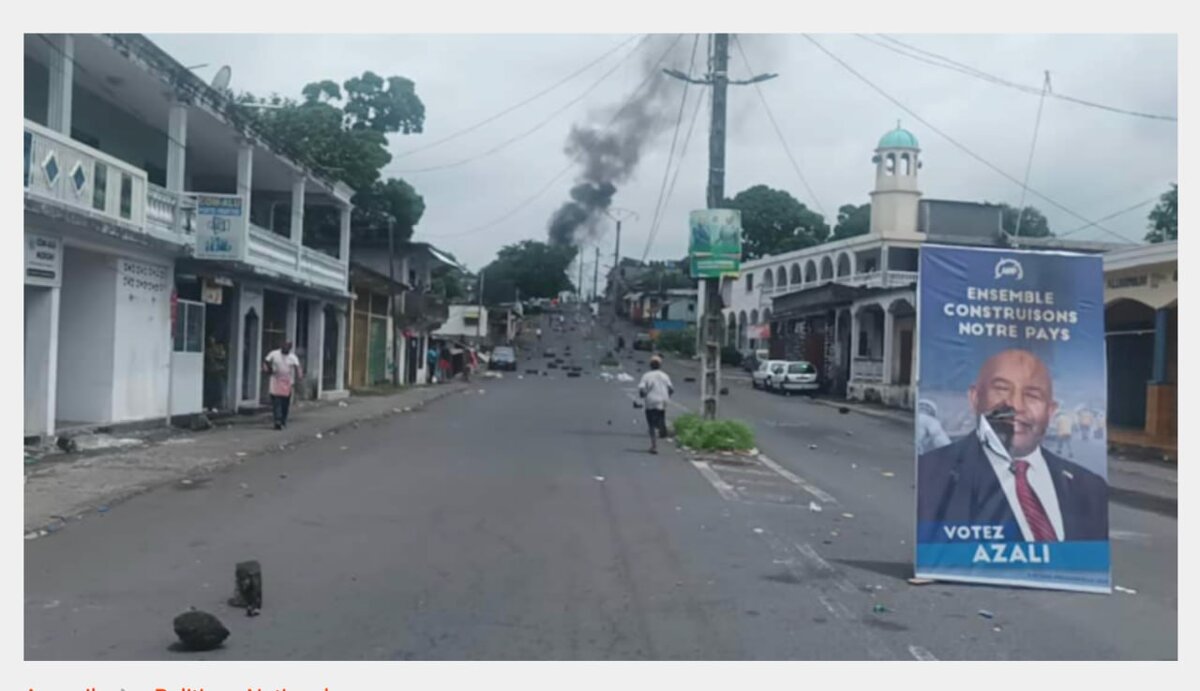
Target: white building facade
{"type": "Point", "coordinates": [129, 159]}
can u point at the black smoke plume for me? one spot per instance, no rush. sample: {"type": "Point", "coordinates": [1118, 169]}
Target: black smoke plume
{"type": "Point", "coordinates": [608, 153]}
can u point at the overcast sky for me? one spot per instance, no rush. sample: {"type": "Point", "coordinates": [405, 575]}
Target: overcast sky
{"type": "Point", "coordinates": [1091, 161]}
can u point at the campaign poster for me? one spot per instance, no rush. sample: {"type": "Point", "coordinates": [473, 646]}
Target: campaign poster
{"type": "Point", "coordinates": [715, 242]}
{"type": "Point", "coordinates": [1012, 394]}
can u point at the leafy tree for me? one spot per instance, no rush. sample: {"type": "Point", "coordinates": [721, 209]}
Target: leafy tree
{"type": "Point", "coordinates": [774, 221]}
{"type": "Point", "coordinates": [537, 269]}
{"type": "Point", "coordinates": [1033, 223]}
{"type": "Point", "coordinates": [851, 221]}
{"type": "Point", "coordinates": [341, 132]}
{"type": "Point", "coordinates": [1164, 218]}
{"type": "Point", "coordinates": [448, 282]}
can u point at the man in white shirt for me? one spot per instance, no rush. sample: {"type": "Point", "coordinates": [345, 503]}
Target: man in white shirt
{"type": "Point", "coordinates": [284, 368]}
{"type": "Point", "coordinates": [655, 387]}
{"type": "Point", "coordinates": [1000, 474]}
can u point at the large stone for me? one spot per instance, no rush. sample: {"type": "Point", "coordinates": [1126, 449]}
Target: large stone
{"type": "Point", "coordinates": [201, 423]}
{"type": "Point", "coordinates": [200, 630]}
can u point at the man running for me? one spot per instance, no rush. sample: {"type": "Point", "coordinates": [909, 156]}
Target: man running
{"type": "Point", "coordinates": [656, 388]}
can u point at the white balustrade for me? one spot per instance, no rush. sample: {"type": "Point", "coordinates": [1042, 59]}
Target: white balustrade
{"type": "Point", "coordinates": [62, 170]}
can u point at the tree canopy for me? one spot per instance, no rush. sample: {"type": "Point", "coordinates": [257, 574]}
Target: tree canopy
{"type": "Point", "coordinates": [537, 269]}
{"type": "Point", "coordinates": [851, 221]}
{"type": "Point", "coordinates": [341, 132]}
{"type": "Point", "coordinates": [773, 221]}
{"type": "Point", "coordinates": [1164, 218]}
{"type": "Point", "coordinates": [1033, 222]}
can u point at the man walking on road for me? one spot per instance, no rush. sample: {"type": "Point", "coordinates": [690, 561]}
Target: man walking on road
{"type": "Point", "coordinates": [656, 388]}
{"type": "Point", "coordinates": [284, 368]}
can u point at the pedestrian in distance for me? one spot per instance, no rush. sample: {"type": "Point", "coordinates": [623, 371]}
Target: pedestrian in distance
{"type": "Point", "coordinates": [656, 389]}
{"type": "Point", "coordinates": [284, 368]}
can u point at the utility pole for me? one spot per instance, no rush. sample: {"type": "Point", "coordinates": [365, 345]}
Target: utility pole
{"type": "Point", "coordinates": [709, 312]}
{"type": "Point", "coordinates": [392, 298]}
{"type": "Point", "coordinates": [579, 285]}
{"type": "Point", "coordinates": [618, 215]}
{"type": "Point", "coordinates": [479, 306]}
{"type": "Point", "coordinates": [596, 273]}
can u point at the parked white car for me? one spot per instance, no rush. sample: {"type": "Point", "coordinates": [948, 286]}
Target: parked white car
{"type": "Point", "coordinates": [761, 378]}
{"type": "Point", "coordinates": [795, 376]}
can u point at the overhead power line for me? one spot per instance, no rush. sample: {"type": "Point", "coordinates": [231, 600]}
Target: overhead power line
{"type": "Point", "coordinates": [650, 75]}
{"type": "Point", "coordinates": [954, 141]}
{"type": "Point", "coordinates": [1122, 212]}
{"type": "Point", "coordinates": [546, 121]}
{"type": "Point", "coordinates": [1032, 145]}
{"type": "Point", "coordinates": [931, 58]}
{"type": "Point", "coordinates": [527, 101]}
{"type": "Point", "coordinates": [675, 177]}
{"type": "Point", "coordinates": [778, 132]}
{"type": "Point", "coordinates": [662, 190]}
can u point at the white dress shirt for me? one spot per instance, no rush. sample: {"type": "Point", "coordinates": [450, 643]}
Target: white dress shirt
{"type": "Point", "coordinates": [1038, 476]}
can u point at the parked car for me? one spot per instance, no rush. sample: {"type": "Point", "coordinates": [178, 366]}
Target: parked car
{"type": "Point", "coordinates": [753, 358]}
{"type": "Point", "coordinates": [503, 357]}
{"type": "Point", "coordinates": [642, 341]}
{"type": "Point", "coordinates": [761, 378]}
{"type": "Point", "coordinates": [796, 376]}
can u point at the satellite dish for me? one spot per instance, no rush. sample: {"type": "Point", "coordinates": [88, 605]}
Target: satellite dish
{"type": "Point", "coordinates": [221, 81]}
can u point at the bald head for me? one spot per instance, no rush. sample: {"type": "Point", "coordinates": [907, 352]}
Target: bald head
{"type": "Point", "coordinates": [1021, 380]}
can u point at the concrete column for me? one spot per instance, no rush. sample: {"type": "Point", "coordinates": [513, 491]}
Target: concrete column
{"type": "Point", "coordinates": [855, 327]}
{"type": "Point", "coordinates": [62, 82]}
{"type": "Point", "coordinates": [289, 320]}
{"type": "Point", "coordinates": [889, 326]}
{"type": "Point", "coordinates": [245, 172]}
{"type": "Point", "coordinates": [316, 340]}
{"type": "Point", "coordinates": [1161, 343]}
{"type": "Point", "coordinates": [177, 129]}
{"type": "Point", "coordinates": [41, 360]}
{"type": "Point", "coordinates": [297, 227]}
{"type": "Point", "coordinates": [883, 265]}
{"type": "Point", "coordinates": [343, 326]}
{"type": "Point", "coordinates": [344, 237]}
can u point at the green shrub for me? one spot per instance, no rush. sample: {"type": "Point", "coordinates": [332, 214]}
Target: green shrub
{"type": "Point", "coordinates": [682, 342]}
{"type": "Point", "coordinates": [713, 435]}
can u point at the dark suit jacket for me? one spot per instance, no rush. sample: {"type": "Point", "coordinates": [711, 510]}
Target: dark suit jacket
{"type": "Point", "coordinates": [956, 484]}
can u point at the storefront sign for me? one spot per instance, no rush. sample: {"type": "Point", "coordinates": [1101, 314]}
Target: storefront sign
{"type": "Point", "coordinates": [221, 227]}
{"type": "Point", "coordinates": [43, 260]}
{"type": "Point", "coordinates": [715, 243]}
{"type": "Point", "coordinates": [1011, 482]}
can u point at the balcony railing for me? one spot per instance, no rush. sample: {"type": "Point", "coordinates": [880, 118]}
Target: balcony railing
{"type": "Point", "coordinates": [280, 255]}
{"type": "Point", "coordinates": [867, 369]}
{"type": "Point", "coordinates": [170, 211]}
{"type": "Point", "coordinates": [62, 170]}
{"type": "Point", "coordinates": [422, 310]}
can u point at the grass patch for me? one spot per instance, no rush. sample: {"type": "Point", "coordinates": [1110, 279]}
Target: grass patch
{"type": "Point", "coordinates": [697, 433]}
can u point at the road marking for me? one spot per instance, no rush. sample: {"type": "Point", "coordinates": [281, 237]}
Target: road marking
{"type": "Point", "coordinates": [723, 488]}
{"type": "Point", "coordinates": [796, 479]}
{"type": "Point", "coordinates": [921, 654]}
{"type": "Point", "coordinates": [810, 554]}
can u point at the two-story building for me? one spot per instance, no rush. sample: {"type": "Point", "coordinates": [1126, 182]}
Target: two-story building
{"type": "Point", "coordinates": [169, 246]}
{"type": "Point", "coordinates": [849, 306]}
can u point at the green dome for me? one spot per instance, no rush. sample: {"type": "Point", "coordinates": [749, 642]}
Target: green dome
{"type": "Point", "coordinates": [899, 138]}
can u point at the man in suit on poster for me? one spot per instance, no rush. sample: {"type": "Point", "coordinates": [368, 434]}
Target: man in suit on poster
{"type": "Point", "coordinates": [1001, 474]}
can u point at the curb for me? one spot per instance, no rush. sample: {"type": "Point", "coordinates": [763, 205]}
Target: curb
{"type": "Point", "coordinates": [106, 503]}
{"type": "Point", "coordinates": [894, 417]}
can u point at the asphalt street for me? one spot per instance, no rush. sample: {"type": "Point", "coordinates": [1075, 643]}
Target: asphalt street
{"type": "Point", "coordinates": [525, 520]}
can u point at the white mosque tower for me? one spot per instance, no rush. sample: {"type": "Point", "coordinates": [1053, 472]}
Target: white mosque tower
{"type": "Point", "coordinates": [894, 200]}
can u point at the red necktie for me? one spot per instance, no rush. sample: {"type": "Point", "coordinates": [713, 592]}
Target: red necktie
{"type": "Point", "coordinates": [1031, 506]}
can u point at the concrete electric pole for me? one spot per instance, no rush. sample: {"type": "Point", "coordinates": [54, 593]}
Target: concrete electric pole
{"type": "Point", "coordinates": [709, 314]}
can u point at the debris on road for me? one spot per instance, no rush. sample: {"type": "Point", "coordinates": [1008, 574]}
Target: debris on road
{"type": "Point", "coordinates": [622, 377]}
{"type": "Point", "coordinates": [997, 628]}
{"type": "Point", "coordinates": [879, 609]}
{"type": "Point", "coordinates": [920, 581]}
{"type": "Point", "coordinates": [888, 473]}
{"type": "Point", "coordinates": [598, 478]}
{"type": "Point", "coordinates": [342, 404]}
{"type": "Point", "coordinates": [843, 409]}
{"type": "Point", "coordinates": [812, 446]}
{"type": "Point", "coordinates": [758, 531]}
{"type": "Point", "coordinates": [814, 507]}
{"type": "Point", "coordinates": [319, 435]}
{"type": "Point", "coordinates": [847, 515]}
{"type": "Point", "coordinates": [343, 448]}
{"type": "Point", "coordinates": [102, 509]}
{"type": "Point", "coordinates": [283, 476]}
{"type": "Point", "coordinates": [986, 614]}
{"type": "Point", "coordinates": [1123, 589]}
{"type": "Point", "coordinates": [199, 630]}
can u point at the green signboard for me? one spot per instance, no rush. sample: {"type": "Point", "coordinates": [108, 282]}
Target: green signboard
{"type": "Point", "coordinates": [715, 243]}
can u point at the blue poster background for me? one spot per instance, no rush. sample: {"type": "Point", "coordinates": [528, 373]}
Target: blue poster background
{"type": "Point", "coordinates": [954, 341]}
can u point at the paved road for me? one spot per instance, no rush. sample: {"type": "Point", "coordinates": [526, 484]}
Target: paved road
{"type": "Point", "coordinates": [527, 522]}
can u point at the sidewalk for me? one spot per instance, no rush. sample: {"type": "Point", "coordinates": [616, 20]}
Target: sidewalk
{"type": "Point", "coordinates": [60, 487]}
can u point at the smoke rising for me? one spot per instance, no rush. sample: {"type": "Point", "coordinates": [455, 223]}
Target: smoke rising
{"type": "Point", "coordinates": [608, 153]}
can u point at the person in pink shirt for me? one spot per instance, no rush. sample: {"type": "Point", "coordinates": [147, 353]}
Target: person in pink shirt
{"type": "Point", "coordinates": [284, 368]}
